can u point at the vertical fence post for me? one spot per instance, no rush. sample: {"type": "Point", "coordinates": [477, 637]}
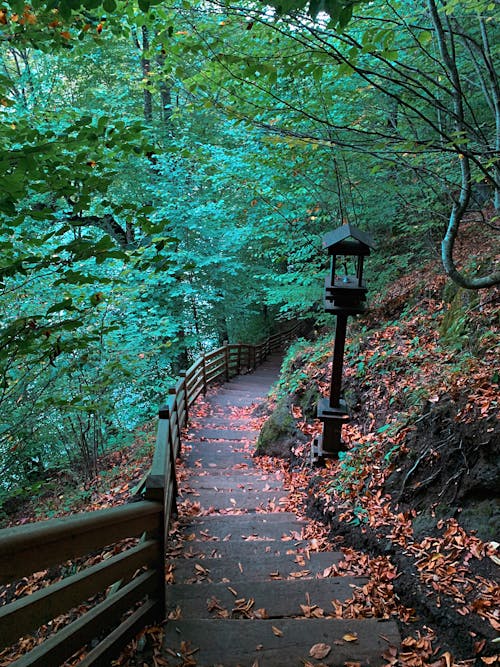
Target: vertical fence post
{"type": "Point", "coordinates": [157, 490]}
{"type": "Point", "coordinates": [174, 419]}
{"type": "Point", "coordinates": [204, 373]}
{"type": "Point", "coordinates": [183, 377]}
{"type": "Point", "coordinates": [238, 363]}
{"type": "Point", "coordinates": [226, 360]}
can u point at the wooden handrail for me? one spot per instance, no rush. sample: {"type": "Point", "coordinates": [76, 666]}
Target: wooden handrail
{"type": "Point", "coordinates": [136, 572]}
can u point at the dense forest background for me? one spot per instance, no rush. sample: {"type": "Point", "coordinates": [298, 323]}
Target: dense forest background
{"type": "Point", "coordinates": [168, 171]}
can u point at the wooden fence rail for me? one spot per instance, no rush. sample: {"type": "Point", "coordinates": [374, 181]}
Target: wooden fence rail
{"type": "Point", "coordinates": [111, 562]}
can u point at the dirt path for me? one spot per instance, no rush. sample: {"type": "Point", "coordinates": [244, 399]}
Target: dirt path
{"type": "Point", "coordinates": [246, 587]}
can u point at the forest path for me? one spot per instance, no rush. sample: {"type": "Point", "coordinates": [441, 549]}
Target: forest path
{"type": "Point", "coordinates": [246, 588]}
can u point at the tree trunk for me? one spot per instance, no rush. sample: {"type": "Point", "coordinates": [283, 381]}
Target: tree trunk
{"type": "Point", "coordinates": [146, 73]}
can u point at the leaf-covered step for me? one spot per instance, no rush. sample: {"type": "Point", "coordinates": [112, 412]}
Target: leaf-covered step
{"type": "Point", "coordinates": [209, 433]}
{"type": "Point", "coordinates": [250, 599]}
{"type": "Point", "coordinates": [218, 455]}
{"type": "Point", "coordinates": [247, 527]}
{"type": "Point", "coordinates": [280, 643]}
{"type": "Point", "coordinates": [236, 550]}
{"type": "Point", "coordinates": [267, 567]}
{"type": "Point", "coordinates": [215, 481]}
{"type": "Point", "coordinates": [250, 500]}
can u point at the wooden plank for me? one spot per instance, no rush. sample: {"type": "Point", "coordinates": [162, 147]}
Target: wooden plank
{"type": "Point", "coordinates": [267, 567]}
{"type": "Point", "coordinates": [213, 376]}
{"type": "Point", "coordinates": [196, 379]}
{"type": "Point", "coordinates": [182, 416]}
{"type": "Point", "coordinates": [162, 440]}
{"type": "Point", "coordinates": [174, 436]}
{"type": "Point", "coordinates": [193, 384]}
{"type": "Point", "coordinates": [35, 546]}
{"type": "Point", "coordinates": [64, 643]}
{"type": "Point", "coordinates": [105, 651]}
{"type": "Point", "coordinates": [194, 368]}
{"type": "Point", "coordinates": [194, 395]}
{"type": "Point", "coordinates": [218, 352]}
{"type": "Point", "coordinates": [216, 363]}
{"type": "Point", "coordinates": [29, 613]}
{"type": "Point", "coordinates": [281, 599]}
{"type": "Point", "coordinates": [240, 642]}
{"type": "Point", "coordinates": [215, 372]}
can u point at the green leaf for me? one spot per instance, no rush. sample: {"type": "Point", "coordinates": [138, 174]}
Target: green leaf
{"type": "Point", "coordinates": [65, 304]}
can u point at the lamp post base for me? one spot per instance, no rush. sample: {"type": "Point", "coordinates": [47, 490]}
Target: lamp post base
{"type": "Point", "coordinates": [333, 418]}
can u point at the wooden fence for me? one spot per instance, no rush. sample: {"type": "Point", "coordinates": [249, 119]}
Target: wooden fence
{"type": "Point", "coordinates": [123, 589]}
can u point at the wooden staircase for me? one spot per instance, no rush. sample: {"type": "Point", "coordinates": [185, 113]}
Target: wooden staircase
{"type": "Point", "coordinates": [246, 588]}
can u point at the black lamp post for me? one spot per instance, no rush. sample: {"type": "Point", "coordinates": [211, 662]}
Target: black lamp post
{"type": "Point", "coordinates": [344, 295]}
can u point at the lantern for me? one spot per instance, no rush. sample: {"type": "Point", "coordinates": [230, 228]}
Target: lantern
{"type": "Point", "coordinates": [345, 294]}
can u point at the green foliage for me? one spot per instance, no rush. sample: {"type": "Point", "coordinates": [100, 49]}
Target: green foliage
{"type": "Point", "coordinates": [132, 239]}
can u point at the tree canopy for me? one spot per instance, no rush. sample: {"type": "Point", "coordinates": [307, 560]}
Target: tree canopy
{"type": "Point", "coordinates": [169, 170]}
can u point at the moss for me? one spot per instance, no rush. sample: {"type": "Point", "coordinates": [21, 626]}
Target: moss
{"type": "Point", "coordinates": [279, 433]}
{"type": "Point", "coordinates": [455, 329]}
{"type": "Point", "coordinates": [308, 400]}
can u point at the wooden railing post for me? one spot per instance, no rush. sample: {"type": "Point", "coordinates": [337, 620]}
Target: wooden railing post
{"type": "Point", "coordinates": [204, 373]}
{"type": "Point", "coordinates": [183, 376]}
{"type": "Point", "coordinates": [238, 362]}
{"type": "Point", "coordinates": [226, 359]}
{"type": "Point", "coordinates": [157, 490]}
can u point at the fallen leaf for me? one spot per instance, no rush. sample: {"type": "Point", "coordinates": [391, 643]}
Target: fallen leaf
{"type": "Point", "coordinates": [320, 651]}
{"type": "Point", "coordinates": [277, 631]}
{"type": "Point", "coordinates": [350, 637]}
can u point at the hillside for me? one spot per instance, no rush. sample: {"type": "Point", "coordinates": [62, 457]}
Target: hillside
{"type": "Point", "coordinates": [418, 483]}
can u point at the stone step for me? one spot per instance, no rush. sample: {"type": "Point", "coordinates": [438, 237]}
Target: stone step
{"type": "Point", "coordinates": [248, 385]}
{"type": "Point", "coordinates": [238, 551]}
{"type": "Point", "coordinates": [221, 422]}
{"type": "Point", "coordinates": [251, 499]}
{"type": "Point", "coordinates": [215, 457]}
{"type": "Point", "coordinates": [213, 480]}
{"type": "Point", "coordinates": [280, 599]}
{"type": "Point", "coordinates": [230, 401]}
{"type": "Point", "coordinates": [252, 471]}
{"type": "Point", "coordinates": [202, 434]}
{"type": "Point", "coordinates": [242, 528]}
{"type": "Point", "coordinates": [284, 643]}
{"type": "Point", "coordinates": [267, 567]}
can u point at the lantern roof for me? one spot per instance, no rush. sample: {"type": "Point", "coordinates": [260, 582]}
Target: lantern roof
{"type": "Point", "coordinates": [348, 240]}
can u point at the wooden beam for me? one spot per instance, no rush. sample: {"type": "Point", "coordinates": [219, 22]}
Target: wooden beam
{"type": "Point", "coordinates": [30, 612]}
{"type": "Point", "coordinates": [105, 651]}
{"type": "Point", "coordinates": [62, 645]}
{"type": "Point", "coordinates": [33, 547]}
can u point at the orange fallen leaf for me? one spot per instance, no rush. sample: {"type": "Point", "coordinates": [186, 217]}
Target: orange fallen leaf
{"type": "Point", "coordinates": [350, 637]}
{"type": "Point", "coordinates": [277, 631]}
{"type": "Point", "coordinates": [448, 658]}
{"type": "Point", "coordinates": [320, 651]}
